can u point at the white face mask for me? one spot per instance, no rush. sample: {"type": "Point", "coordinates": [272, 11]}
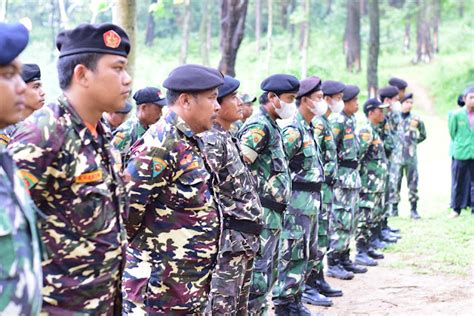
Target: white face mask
{"type": "Point", "coordinates": [337, 106]}
{"type": "Point", "coordinates": [286, 110]}
{"type": "Point", "coordinates": [396, 106]}
{"type": "Point", "coordinates": [319, 108]}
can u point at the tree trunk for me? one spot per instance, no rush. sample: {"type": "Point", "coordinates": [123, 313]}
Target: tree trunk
{"type": "Point", "coordinates": [407, 37]}
{"type": "Point", "coordinates": [461, 8]}
{"type": "Point", "coordinates": [233, 14]}
{"type": "Point", "coordinates": [305, 28]}
{"type": "Point", "coordinates": [184, 46]}
{"type": "Point", "coordinates": [328, 8]}
{"type": "Point", "coordinates": [352, 36]}
{"type": "Point", "coordinates": [203, 31]}
{"type": "Point", "coordinates": [363, 7]}
{"type": "Point", "coordinates": [258, 23]}
{"type": "Point", "coordinates": [3, 10]}
{"type": "Point", "coordinates": [63, 18]}
{"type": "Point", "coordinates": [436, 17]}
{"type": "Point", "coordinates": [269, 35]}
{"type": "Point", "coordinates": [284, 13]}
{"type": "Point", "coordinates": [424, 51]}
{"type": "Point", "coordinates": [374, 45]}
{"type": "Point", "coordinates": [124, 14]}
{"type": "Point", "coordinates": [150, 27]}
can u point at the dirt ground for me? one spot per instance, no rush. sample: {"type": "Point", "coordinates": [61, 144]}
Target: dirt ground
{"type": "Point", "coordinates": [384, 290]}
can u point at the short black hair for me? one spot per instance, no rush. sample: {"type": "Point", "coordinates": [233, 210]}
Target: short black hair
{"type": "Point", "coordinates": [173, 95]}
{"type": "Point", "coordinates": [263, 99]}
{"type": "Point", "coordinates": [66, 65]}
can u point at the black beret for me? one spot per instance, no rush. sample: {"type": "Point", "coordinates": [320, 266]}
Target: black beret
{"type": "Point", "coordinates": [372, 104]}
{"type": "Point", "coordinates": [229, 86]}
{"type": "Point", "coordinates": [246, 98]}
{"type": "Point", "coordinates": [30, 72]}
{"type": "Point", "coordinates": [388, 92]}
{"type": "Point", "coordinates": [13, 40]}
{"type": "Point", "coordinates": [104, 38]}
{"type": "Point", "coordinates": [397, 82]}
{"type": "Point", "coordinates": [149, 95]}
{"type": "Point", "coordinates": [406, 97]}
{"type": "Point", "coordinates": [331, 87]}
{"type": "Point", "coordinates": [461, 102]}
{"type": "Point", "coordinates": [126, 109]}
{"type": "Point", "coordinates": [280, 83]}
{"type": "Point", "coordinates": [350, 92]}
{"type": "Point", "coordinates": [308, 86]}
{"type": "Point", "coordinates": [191, 77]}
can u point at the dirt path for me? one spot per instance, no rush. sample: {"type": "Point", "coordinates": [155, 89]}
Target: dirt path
{"type": "Point", "coordinates": [388, 291]}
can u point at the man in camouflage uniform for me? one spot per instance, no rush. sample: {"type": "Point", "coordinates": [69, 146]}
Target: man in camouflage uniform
{"type": "Point", "coordinates": [34, 99]}
{"type": "Point", "coordinates": [173, 226]}
{"type": "Point", "coordinates": [373, 172]}
{"type": "Point", "coordinates": [247, 110]}
{"type": "Point", "coordinates": [391, 135]}
{"type": "Point", "coordinates": [115, 119]}
{"type": "Point", "coordinates": [20, 260]}
{"type": "Point", "coordinates": [300, 224]}
{"type": "Point", "coordinates": [65, 156]}
{"type": "Point", "coordinates": [149, 107]}
{"type": "Point", "coordinates": [414, 132]}
{"type": "Point", "coordinates": [317, 290]}
{"type": "Point", "coordinates": [262, 148]}
{"type": "Point", "coordinates": [240, 208]}
{"type": "Point", "coordinates": [348, 179]}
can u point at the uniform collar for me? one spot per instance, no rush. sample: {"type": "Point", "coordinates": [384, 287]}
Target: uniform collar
{"type": "Point", "coordinates": [270, 119]}
{"type": "Point", "coordinates": [299, 118]}
{"type": "Point", "coordinates": [174, 119]}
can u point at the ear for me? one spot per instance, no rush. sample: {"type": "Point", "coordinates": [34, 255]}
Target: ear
{"type": "Point", "coordinates": [81, 75]}
{"type": "Point", "coordinates": [184, 100]}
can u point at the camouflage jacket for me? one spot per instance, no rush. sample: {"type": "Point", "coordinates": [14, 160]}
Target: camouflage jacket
{"type": "Point", "coordinates": [414, 132]}
{"type": "Point", "coordinates": [262, 144]}
{"type": "Point", "coordinates": [5, 135]}
{"type": "Point", "coordinates": [303, 151]}
{"type": "Point", "coordinates": [325, 138]}
{"type": "Point", "coordinates": [126, 135]}
{"type": "Point", "coordinates": [20, 260]}
{"type": "Point", "coordinates": [373, 161]}
{"type": "Point", "coordinates": [173, 224]}
{"type": "Point", "coordinates": [343, 128]}
{"type": "Point", "coordinates": [233, 184]}
{"type": "Point", "coordinates": [393, 127]}
{"type": "Point", "coordinates": [74, 180]}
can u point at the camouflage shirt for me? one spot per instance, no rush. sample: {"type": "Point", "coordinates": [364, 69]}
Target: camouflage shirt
{"type": "Point", "coordinates": [325, 138]}
{"type": "Point", "coordinates": [373, 161]}
{"type": "Point", "coordinates": [343, 128]}
{"type": "Point", "coordinates": [394, 120]}
{"type": "Point", "coordinates": [303, 151]}
{"type": "Point", "coordinates": [173, 224]}
{"type": "Point", "coordinates": [262, 144]}
{"type": "Point", "coordinates": [414, 132]}
{"type": "Point", "coordinates": [234, 184]}
{"type": "Point", "coordinates": [126, 135]}
{"type": "Point", "coordinates": [20, 260]}
{"type": "Point", "coordinates": [73, 179]}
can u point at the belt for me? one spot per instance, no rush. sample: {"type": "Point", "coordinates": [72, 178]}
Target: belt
{"type": "Point", "coordinates": [242, 225]}
{"type": "Point", "coordinates": [306, 186]}
{"type": "Point", "coordinates": [349, 164]}
{"type": "Point", "coordinates": [278, 207]}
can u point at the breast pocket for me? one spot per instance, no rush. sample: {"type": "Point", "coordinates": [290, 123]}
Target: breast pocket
{"type": "Point", "coordinates": [192, 189]}
{"type": "Point", "coordinates": [309, 154]}
{"type": "Point", "coordinates": [8, 255]}
{"type": "Point", "coordinates": [95, 209]}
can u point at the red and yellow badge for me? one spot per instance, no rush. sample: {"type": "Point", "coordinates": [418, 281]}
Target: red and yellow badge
{"type": "Point", "coordinates": [112, 39]}
{"type": "Point", "coordinates": [257, 135]}
{"type": "Point", "coordinates": [93, 176]}
{"type": "Point", "coordinates": [28, 179]}
{"type": "Point", "coordinates": [158, 165]}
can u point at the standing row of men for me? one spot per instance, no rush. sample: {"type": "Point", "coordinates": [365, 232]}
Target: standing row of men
{"type": "Point", "coordinates": [192, 214]}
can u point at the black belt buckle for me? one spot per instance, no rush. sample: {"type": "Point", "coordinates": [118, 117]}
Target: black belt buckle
{"type": "Point", "coordinates": [242, 225]}
{"type": "Point", "coordinates": [349, 164]}
{"type": "Point", "coordinates": [268, 203]}
{"type": "Point", "coordinates": [306, 186]}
